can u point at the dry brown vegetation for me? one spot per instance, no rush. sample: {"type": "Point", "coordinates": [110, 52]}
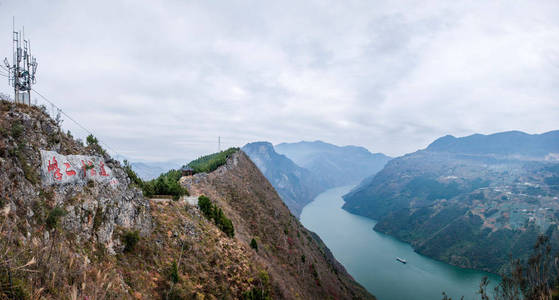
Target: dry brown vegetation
{"type": "Point", "coordinates": [50, 237]}
{"type": "Point", "coordinates": [299, 264]}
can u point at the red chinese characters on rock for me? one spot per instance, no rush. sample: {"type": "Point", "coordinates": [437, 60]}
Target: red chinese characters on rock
{"type": "Point", "coordinates": [69, 172]}
{"type": "Point", "coordinates": [53, 166]}
{"type": "Point", "coordinates": [102, 171]}
{"type": "Point", "coordinates": [88, 166]}
{"type": "Point", "coordinates": [67, 168]}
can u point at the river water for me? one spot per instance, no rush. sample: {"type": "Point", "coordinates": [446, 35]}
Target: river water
{"type": "Point", "coordinates": [370, 257]}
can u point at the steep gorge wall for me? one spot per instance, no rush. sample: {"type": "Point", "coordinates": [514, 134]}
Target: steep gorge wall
{"type": "Point", "coordinates": [299, 263]}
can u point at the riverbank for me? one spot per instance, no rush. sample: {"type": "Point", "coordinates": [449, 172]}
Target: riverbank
{"type": "Point", "coordinates": [370, 256]}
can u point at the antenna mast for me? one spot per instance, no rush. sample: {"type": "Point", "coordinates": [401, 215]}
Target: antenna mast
{"type": "Point", "coordinates": [23, 68]}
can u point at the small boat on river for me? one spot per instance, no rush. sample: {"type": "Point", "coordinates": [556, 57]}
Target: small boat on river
{"type": "Point", "coordinates": [401, 260]}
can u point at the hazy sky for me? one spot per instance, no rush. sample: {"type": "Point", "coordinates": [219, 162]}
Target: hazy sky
{"type": "Point", "coordinates": [159, 80]}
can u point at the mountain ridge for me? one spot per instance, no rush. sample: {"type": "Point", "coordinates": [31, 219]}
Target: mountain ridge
{"type": "Point", "coordinates": [295, 185]}
{"type": "Point", "coordinates": [498, 199]}
{"type": "Point", "coordinates": [74, 224]}
{"type": "Point", "coordinates": [282, 238]}
{"type": "Point", "coordinates": [502, 143]}
{"type": "Point", "coordinates": [335, 165]}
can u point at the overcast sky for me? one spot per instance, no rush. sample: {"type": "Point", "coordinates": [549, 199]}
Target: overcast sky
{"type": "Point", "coordinates": [161, 80]}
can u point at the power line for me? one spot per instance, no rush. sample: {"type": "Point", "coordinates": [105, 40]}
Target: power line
{"type": "Point", "coordinates": [76, 122]}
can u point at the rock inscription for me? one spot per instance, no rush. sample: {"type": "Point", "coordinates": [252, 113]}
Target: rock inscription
{"type": "Point", "coordinates": [77, 169]}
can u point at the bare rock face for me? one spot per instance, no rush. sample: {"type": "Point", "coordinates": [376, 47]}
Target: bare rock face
{"type": "Point", "coordinates": [45, 168]}
{"type": "Point", "coordinates": [295, 185]}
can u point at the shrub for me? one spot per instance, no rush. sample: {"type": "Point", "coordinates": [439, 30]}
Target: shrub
{"type": "Point", "coordinates": [12, 288]}
{"type": "Point", "coordinates": [535, 278]}
{"type": "Point", "coordinates": [211, 162]}
{"type": "Point", "coordinates": [91, 140]}
{"type": "Point", "coordinates": [98, 218]}
{"type": "Point", "coordinates": [226, 226]}
{"type": "Point", "coordinates": [213, 212]}
{"type": "Point", "coordinates": [54, 217]}
{"type": "Point", "coordinates": [28, 171]}
{"type": "Point", "coordinates": [131, 174]}
{"type": "Point", "coordinates": [254, 245]}
{"type": "Point", "coordinates": [130, 240]}
{"type": "Point", "coordinates": [17, 130]}
{"type": "Point", "coordinates": [174, 273]}
{"type": "Point", "coordinates": [165, 184]}
{"type": "Point", "coordinates": [256, 294]}
{"type": "Point", "coordinates": [205, 205]}
{"type": "Point", "coordinates": [262, 291]}
{"type": "Point", "coordinates": [93, 143]}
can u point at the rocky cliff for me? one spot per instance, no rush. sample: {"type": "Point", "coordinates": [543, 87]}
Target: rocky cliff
{"type": "Point", "coordinates": [44, 168]}
{"type": "Point", "coordinates": [300, 266]}
{"type": "Point", "coordinates": [73, 226]}
{"type": "Point", "coordinates": [59, 199]}
{"type": "Point", "coordinates": [295, 185]}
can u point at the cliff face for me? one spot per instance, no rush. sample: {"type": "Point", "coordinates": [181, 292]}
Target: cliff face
{"type": "Point", "coordinates": [42, 170]}
{"type": "Point", "coordinates": [73, 226]}
{"type": "Point", "coordinates": [61, 202]}
{"type": "Point", "coordinates": [295, 185]}
{"type": "Point", "coordinates": [299, 264]}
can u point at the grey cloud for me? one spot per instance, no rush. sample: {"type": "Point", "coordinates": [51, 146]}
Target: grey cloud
{"type": "Point", "coordinates": [162, 80]}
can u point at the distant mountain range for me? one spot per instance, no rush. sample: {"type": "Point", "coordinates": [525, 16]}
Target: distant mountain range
{"type": "Point", "coordinates": [334, 165]}
{"type": "Point", "coordinates": [469, 201]}
{"type": "Point", "coordinates": [151, 170]}
{"type": "Point", "coordinates": [536, 146]}
{"type": "Point", "coordinates": [308, 168]}
{"type": "Point", "coordinates": [295, 185]}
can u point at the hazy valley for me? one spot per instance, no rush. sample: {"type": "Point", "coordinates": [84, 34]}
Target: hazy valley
{"type": "Point", "coordinates": [306, 169]}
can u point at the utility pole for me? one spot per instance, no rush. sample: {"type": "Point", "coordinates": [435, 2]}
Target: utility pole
{"type": "Point", "coordinates": [219, 144]}
{"type": "Point", "coordinates": [23, 68]}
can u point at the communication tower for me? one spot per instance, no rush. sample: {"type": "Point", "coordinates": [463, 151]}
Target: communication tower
{"type": "Point", "coordinates": [23, 68]}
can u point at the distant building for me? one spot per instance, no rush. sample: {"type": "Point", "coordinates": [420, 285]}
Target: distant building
{"type": "Point", "coordinates": [187, 171]}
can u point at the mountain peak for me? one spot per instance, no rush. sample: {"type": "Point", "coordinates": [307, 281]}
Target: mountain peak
{"type": "Point", "coordinates": [338, 165]}
{"type": "Point", "coordinates": [263, 144]}
{"type": "Point", "coordinates": [296, 185]}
